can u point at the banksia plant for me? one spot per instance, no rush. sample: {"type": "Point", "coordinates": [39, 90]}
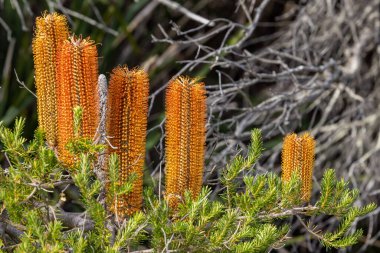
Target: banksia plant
{"type": "Point", "coordinates": [185, 138]}
{"type": "Point", "coordinates": [298, 157]}
{"type": "Point", "coordinates": [51, 31]}
{"type": "Point", "coordinates": [248, 215]}
{"type": "Point", "coordinates": [77, 76]}
{"type": "Point", "coordinates": [126, 127]}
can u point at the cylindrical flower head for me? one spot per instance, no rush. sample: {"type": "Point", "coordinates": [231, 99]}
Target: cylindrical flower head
{"type": "Point", "coordinates": [185, 138]}
{"type": "Point", "coordinates": [51, 30]}
{"type": "Point", "coordinates": [77, 77]}
{"type": "Point", "coordinates": [290, 154]}
{"type": "Point", "coordinates": [308, 150]}
{"type": "Point", "coordinates": [298, 156]}
{"type": "Point", "coordinates": [126, 127]}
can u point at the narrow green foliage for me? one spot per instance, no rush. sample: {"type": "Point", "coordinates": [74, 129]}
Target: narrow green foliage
{"type": "Point", "coordinates": [80, 145]}
{"type": "Point", "coordinates": [240, 164]}
{"type": "Point", "coordinates": [77, 242]}
{"type": "Point", "coordinates": [291, 191]}
{"type": "Point", "coordinates": [224, 228]}
{"type": "Point", "coordinates": [261, 193]}
{"type": "Point", "coordinates": [78, 113]}
{"type": "Point", "coordinates": [113, 173]}
{"type": "Point", "coordinates": [337, 198]}
{"type": "Point", "coordinates": [251, 213]}
{"type": "Point", "coordinates": [48, 237]}
{"type": "Point", "coordinates": [114, 188]}
{"type": "Point", "coordinates": [265, 237]}
{"type": "Point", "coordinates": [130, 233]}
{"type": "Point", "coordinates": [255, 149]}
{"type": "Point", "coordinates": [90, 187]}
{"type": "Point", "coordinates": [32, 171]}
{"type": "Point", "coordinates": [14, 142]}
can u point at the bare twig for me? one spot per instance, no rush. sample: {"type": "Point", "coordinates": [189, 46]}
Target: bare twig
{"type": "Point", "coordinates": [23, 85]}
{"type": "Point", "coordinates": [186, 12]}
{"type": "Point", "coordinates": [86, 19]}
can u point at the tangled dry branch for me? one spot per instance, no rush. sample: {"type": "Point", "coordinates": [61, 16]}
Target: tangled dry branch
{"type": "Point", "coordinates": [317, 71]}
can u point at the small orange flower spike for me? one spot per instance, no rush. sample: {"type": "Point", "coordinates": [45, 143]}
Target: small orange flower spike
{"type": "Point", "coordinates": [185, 138]}
{"type": "Point", "coordinates": [290, 154]}
{"type": "Point", "coordinates": [51, 31]}
{"type": "Point", "coordinates": [126, 127]}
{"type": "Point", "coordinates": [308, 150]}
{"type": "Point", "coordinates": [77, 77]}
{"type": "Point", "coordinates": [298, 155]}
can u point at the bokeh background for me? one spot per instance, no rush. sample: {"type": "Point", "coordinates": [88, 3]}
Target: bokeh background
{"type": "Point", "coordinates": [279, 65]}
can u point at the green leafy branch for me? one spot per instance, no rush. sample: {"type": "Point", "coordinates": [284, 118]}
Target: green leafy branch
{"type": "Point", "coordinates": [251, 214]}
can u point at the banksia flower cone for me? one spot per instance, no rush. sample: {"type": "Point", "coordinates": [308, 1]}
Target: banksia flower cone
{"type": "Point", "coordinates": [185, 138]}
{"type": "Point", "coordinates": [51, 31]}
{"type": "Point", "coordinates": [77, 78]}
{"type": "Point", "coordinates": [126, 128]}
{"type": "Point", "coordinates": [298, 156]}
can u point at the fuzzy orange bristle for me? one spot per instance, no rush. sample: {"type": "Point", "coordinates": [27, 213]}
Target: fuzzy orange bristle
{"type": "Point", "coordinates": [308, 150]}
{"type": "Point", "coordinates": [198, 136]}
{"type": "Point", "coordinates": [290, 161]}
{"type": "Point", "coordinates": [185, 138]}
{"type": "Point", "coordinates": [51, 31]}
{"type": "Point", "coordinates": [298, 156]}
{"type": "Point", "coordinates": [126, 126]}
{"type": "Point", "coordinates": [77, 78]}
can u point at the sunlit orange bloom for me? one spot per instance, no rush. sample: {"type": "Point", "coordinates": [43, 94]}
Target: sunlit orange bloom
{"type": "Point", "coordinates": [77, 86]}
{"type": "Point", "coordinates": [126, 128]}
{"type": "Point", "coordinates": [298, 156]}
{"type": "Point", "coordinates": [51, 30]}
{"type": "Point", "coordinates": [185, 138]}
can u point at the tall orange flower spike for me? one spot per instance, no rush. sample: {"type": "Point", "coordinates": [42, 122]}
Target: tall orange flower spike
{"type": "Point", "coordinates": [298, 155]}
{"type": "Point", "coordinates": [185, 138]}
{"type": "Point", "coordinates": [126, 127]}
{"type": "Point", "coordinates": [51, 31]}
{"type": "Point", "coordinates": [77, 78]}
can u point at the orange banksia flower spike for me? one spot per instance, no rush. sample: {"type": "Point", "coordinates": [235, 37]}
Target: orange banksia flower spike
{"type": "Point", "coordinates": [298, 156]}
{"type": "Point", "coordinates": [308, 150]}
{"type": "Point", "coordinates": [185, 138]}
{"type": "Point", "coordinates": [290, 154]}
{"type": "Point", "coordinates": [126, 127]}
{"type": "Point", "coordinates": [77, 77]}
{"type": "Point", "coordinates": [51, 30]}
